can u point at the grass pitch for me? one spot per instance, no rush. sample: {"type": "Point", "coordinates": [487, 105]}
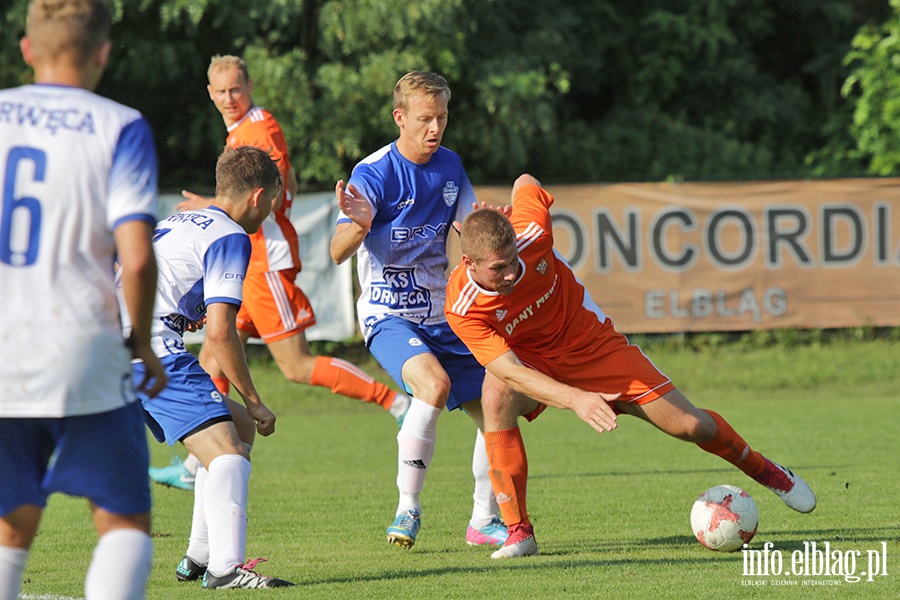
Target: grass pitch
{"type": "Point", "coordinates": [611, 511]}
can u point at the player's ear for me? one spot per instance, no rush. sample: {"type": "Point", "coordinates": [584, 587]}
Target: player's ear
{"type": "Point", "coordinates": [398, 117]}
{"type": "Point", "coordinates": [103, 54]}
{"type": "Point", "coordinates": [25, 47]}
{"type": "Point", "coordinates": [468, 263]}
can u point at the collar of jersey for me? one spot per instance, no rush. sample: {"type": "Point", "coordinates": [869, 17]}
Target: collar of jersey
{"type": "Point", "coordinates": [238, 123]}
{"type": "Point", "coordinates": [495, 293]}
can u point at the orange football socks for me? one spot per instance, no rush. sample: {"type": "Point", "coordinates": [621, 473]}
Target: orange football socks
{"type": "Point", "coordinates": [729, 445]}
{"type": "Point", "coordinates": [222, 384]}
{"type": "Point", "coordinates": [344, 378]}
{"type": "Point", "coordinates": [509, 473]}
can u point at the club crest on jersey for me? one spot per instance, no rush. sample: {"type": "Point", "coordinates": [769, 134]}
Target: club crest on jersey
{"type": "Point", "coordinates": [399, 289]}
{"type": "Point", "coordinates": [177, 322]}
{"type": "Point", "coordinates": [450, 192]}
{"type": "Point", "coordinates": [501, 314]}
{"type": "Point", "coordinates": [542, 267]}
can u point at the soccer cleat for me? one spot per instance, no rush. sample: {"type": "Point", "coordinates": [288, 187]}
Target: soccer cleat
{"type": "Point", "coordinates": [243, 577]}
{"type": "Point", "coordinates": [175, 475]}
{"type": "Point", "coordinates": [520, 542]}
{"type": "Point", "coordinates": [400, 407]}
{"type": "Point", "coordinates": [791, 488]}
{"type": "Point", "coordinates": [492, 534]}
{"type": "Point", "coordinates": [188, 570]}
{"type": "Point", "coordinates": [403, 531]}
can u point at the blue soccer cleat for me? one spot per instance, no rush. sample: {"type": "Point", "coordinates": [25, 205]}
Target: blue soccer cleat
{"type": "Point", "coordinates": [175, 475]}
{"type": "Point", "coordinates": [403, 532]}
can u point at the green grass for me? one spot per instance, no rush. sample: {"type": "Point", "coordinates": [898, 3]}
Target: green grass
{"type": "Point", "coordinates": [611, 511]}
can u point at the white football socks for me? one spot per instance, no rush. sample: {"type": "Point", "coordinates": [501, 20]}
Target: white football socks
{"type": "Point", "coordinates": [191, 464]}
{"type": "Point", "coordinates": [225, 505]}
{"type": "Point", "coordinates": [198, 543]}
{"type": "Point", "coordinates": [120, 567]}
{"type": "Point", "coordinates": [415, 444]}
{"type": "Point", "coordinates": [485, 507]}
{"type": "Point", "coordinates": [12, 565]}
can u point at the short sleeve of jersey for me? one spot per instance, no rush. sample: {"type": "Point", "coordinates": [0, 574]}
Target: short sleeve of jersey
{"type": "Point", "coordinates": [225, 266]}
{"type": "Point", "coordinates": [479, 337]}
{"type": "Point", "coordinates": [133, 175]}
{"type": "Point", "coordinates": [532, 203]}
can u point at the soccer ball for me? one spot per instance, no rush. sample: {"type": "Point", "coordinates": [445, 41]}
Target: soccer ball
{"type": "Point", "coordinates": [724, 518]}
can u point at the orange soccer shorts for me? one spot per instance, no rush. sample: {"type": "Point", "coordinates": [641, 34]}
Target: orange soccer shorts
{"type": "Point", "coordinates": [274, 308]}
{"type": "Point", "coordinates": [603, 362]}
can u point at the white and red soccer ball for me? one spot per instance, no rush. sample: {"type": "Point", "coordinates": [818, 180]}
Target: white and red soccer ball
{"type": "Point", "coordinates": [724, 518]}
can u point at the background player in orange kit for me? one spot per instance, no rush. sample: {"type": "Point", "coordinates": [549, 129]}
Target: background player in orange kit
{"type": "Point", "coordinates": [519, 308]}
{"type": "Point", "coordinates": [275, 309]}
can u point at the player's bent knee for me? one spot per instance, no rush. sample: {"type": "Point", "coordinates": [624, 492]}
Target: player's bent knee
{"type": "Point", "coordinates": [696, 429]}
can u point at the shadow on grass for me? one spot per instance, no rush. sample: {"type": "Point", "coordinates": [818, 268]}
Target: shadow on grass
{"type": "Point", "coordinates": [797, 537]}
{"type": "Point", "coordinates": [556, 559]}
{"type": "Point", "coordinates": [531, 564]}
{"type": "Point", "coordinates": [723, 469]}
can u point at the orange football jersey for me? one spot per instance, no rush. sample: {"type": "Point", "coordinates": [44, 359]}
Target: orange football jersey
{"type": "Point", "coordinates": [545, 316]}
{"type": "Point", "coordinates": [275, 246]}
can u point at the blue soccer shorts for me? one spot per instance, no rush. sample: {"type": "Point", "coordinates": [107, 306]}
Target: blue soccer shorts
{"type": "Point", "coordinates": [102, 457]}
{"type": "Point", "coordinates": [394, 340]}
{"type": "Point", "coordinates": [189, 401]}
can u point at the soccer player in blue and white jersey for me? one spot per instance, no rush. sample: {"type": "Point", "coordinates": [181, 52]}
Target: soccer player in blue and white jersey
{"type": "Point", "coordinates": [78, 179]}
{"type": "Point", "coordinates": [203, 257]}
{"type": "Point", "coordinates": [398, 208]}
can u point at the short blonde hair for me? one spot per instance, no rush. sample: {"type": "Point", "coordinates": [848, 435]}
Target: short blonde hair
{"type": "Point", "coordinates": [418, 83]}
{"type": "Point", "coordinates": [75, 27]}
{"type": "Point", "coordinates": [486, 231]}
{"type": "Point", "coordinates": [220, 62]}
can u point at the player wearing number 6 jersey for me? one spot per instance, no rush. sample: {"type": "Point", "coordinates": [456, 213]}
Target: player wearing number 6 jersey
{"type": "Point", "coordinates": [77, 189]}
{"type": "Point", "coordinates": [519, 308]}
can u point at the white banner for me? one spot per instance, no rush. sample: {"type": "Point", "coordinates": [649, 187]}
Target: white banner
{"type": "Point", "coordinates": [329, 287]}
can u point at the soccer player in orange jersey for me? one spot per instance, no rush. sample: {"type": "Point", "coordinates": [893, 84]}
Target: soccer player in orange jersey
{"type": "Point", "coordinates": [275, 309]}
{"type": "Point", "coordinates": [519, 308]}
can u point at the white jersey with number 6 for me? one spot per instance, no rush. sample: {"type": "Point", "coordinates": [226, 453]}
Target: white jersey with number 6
{"type": "Point", "coordinates": [73, 167]}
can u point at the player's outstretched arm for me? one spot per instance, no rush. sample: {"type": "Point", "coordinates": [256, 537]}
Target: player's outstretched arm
{"type": "Point", "coordinates": [193, 201]}
{"type": "Point", "coordinates": [349, 236]}
{"type": "Point", "coordinates": [592, 408]}
{"type": "Point", "coordinates": [225, 343]}
{"type": "Point", "coordinates": [522, 181]}
{"type": "Point", "coordinates": [134, 247]}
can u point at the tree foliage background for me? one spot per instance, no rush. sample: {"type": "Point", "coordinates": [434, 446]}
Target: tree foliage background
{"type": "Point", "coordinates": [570, 90]}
